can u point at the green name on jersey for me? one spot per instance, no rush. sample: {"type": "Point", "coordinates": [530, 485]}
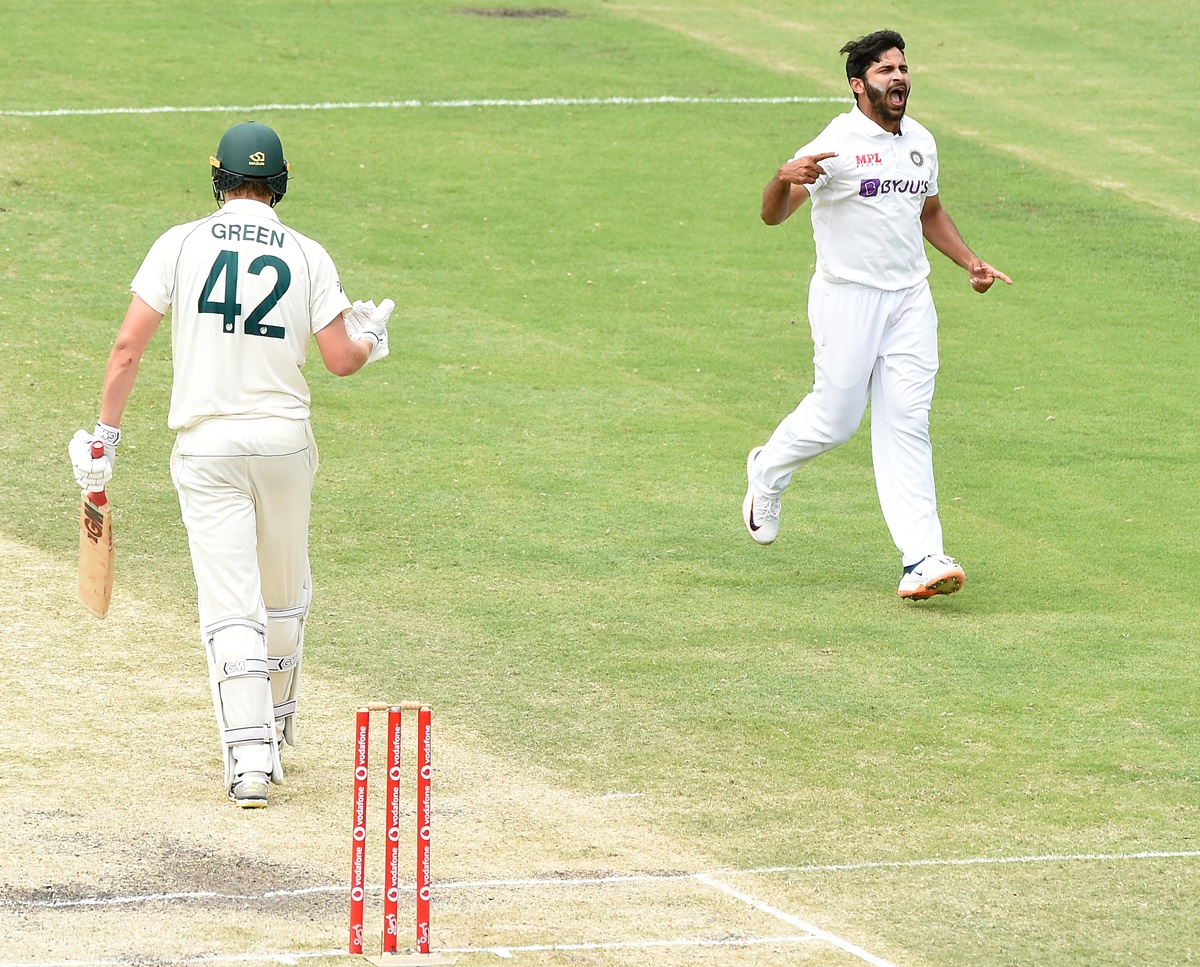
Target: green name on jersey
{"type": "Point", "coordinates": [249, 233]}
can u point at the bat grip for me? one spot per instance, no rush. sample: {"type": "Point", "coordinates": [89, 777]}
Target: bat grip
{"type": "Point", "coordinates": [98, 497]}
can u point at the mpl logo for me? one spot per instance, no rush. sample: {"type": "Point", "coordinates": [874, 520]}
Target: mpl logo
{"type": "Point", "coordinates": [869, 187]}
{"type": "Point", "coordinates": [861, 160]}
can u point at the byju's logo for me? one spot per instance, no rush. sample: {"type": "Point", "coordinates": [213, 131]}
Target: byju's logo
{"type": "Point", "coordinates": [873, 187]}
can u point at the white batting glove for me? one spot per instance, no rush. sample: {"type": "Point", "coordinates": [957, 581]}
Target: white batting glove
{"type": "Point", "coordinates": [366, 321]}
{"type": "Point", "coordinates": [90, 473]}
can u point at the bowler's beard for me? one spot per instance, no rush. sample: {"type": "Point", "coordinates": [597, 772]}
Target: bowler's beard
{"type": "Point", "coordinates": [879, 103]}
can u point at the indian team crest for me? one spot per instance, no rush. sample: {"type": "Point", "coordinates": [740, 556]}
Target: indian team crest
{"type": "Point", "coordinates": [916, 157]}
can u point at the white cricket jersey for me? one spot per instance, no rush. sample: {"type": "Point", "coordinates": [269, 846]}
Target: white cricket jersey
{"type": "Point", "coordinates": [866, 208]}
{"type": "Point", "coordinates": [246, 294]}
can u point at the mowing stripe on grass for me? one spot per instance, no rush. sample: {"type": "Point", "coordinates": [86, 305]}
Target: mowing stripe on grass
{"type": "Point", "coordinates": [391, 105]}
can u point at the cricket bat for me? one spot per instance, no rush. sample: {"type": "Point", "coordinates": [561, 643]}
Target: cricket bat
{"type": "Point", "coordinates": [96, 548]}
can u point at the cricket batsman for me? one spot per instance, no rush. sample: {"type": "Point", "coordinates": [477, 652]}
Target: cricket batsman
{"type": "Point", "coordinates": [246, 293]}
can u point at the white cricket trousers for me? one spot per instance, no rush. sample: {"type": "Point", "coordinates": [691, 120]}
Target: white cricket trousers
{"type": "Point", "coordinates": [245, 492]}
{"type": "Point", "coordinates": [869, 345]}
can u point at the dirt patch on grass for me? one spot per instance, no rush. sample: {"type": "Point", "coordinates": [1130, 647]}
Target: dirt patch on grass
{"type": "Point", "coordinates": [521, 13]}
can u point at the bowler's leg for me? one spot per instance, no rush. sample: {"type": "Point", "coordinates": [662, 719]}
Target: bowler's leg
{"type": "Point", "coordinates": [901, 397]}
{"type": "Point", "coordinates": [846, 330]}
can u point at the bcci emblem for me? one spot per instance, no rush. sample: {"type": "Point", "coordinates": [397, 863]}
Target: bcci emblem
{"type": "Point", "coordinates": [259, 158]}
{"type": "Point", "coordinates": [916, 157]}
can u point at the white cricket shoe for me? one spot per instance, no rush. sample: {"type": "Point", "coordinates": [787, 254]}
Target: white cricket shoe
{"type": "Point", "coordinates": [760, 513]}
{"type": "Point", "coordinates": [937, 574]}
{"type": "Point", "coordinates": [250, 790]}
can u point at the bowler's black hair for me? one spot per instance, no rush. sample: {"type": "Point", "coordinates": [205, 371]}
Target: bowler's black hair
{"type": "Point", "coordinates": [862, 53]}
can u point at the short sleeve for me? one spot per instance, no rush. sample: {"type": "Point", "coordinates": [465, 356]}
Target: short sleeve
{"type": "Point", "coordinates": [154, 282]}
{"type": "Point", "coordinates": [822, 144]}
{"type": "Point", "coordinates": [328, 298]}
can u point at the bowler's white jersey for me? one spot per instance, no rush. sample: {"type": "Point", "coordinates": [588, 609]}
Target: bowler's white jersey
{"type": "Point", "coordinates": [246, 294]}
{"type": "Point", "coordinates": [866, 208]}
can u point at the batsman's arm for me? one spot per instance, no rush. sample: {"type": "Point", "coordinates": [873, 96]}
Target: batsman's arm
{"type": "Point", "coordinates": [141, 323]}
{"type": "Point", "coordinates": [341, 355]}
{"type": "Point", "coordinates": [355, 337]}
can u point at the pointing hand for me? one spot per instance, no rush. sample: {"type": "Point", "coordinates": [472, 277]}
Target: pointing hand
{"type": "Point", "coordinates": [806, 170]}
{"type": "Point", "coordinates": [983, 275]}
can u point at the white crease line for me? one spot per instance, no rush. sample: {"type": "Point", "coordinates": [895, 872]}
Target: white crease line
{"type": "Point", "coordinates": [503, 952]}
{"type": "Point", "coordinates": [622, 878]}
{"type": "Point", "coordinates": [279, 958]}
{"type": "Point", "coordinates": [507, 952]}
{"type": "Point", "coordinates": [358, 105]}
{"type": "Point", "coordinates": [971, 861]}
{"type": "Point", "coordinates": [167, 897]}
{"type": "Point", "coordinates": [829, 938]}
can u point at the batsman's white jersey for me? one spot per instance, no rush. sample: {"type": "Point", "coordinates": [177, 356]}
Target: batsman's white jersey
{"type": "Point", "coordinates": [246, 294]}
{"type": "Point", "coordinates": [873, 323]}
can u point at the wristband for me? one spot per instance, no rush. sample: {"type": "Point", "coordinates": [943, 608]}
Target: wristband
{"type": "Point", "coordinates": [110, 436]}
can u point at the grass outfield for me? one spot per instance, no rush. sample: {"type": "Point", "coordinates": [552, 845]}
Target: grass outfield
{"type": "Point", "coordinates": [529, 514]}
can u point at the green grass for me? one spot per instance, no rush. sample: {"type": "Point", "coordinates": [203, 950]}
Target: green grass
{"type": "Point", "coordinates": [530, 511]}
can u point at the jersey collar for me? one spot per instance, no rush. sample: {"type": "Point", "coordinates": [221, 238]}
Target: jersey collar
{"type": "Point", "coordinates": [866, 126]}
{"type": "Point", "coordinates": [248, 206]}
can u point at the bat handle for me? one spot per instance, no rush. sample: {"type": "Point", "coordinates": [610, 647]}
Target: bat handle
{"type": "Point", "coordinates": [98, 497]}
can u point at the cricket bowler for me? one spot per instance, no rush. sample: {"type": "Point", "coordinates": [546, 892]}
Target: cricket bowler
{"type": "Point", "coordinates": [872, 178]}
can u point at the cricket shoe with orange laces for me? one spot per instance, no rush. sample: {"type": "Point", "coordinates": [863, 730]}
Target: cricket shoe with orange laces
{"type": "Point", "coordinates": [936, 574]}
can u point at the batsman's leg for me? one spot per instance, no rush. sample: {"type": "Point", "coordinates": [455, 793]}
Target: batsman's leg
{"type": "Point", "coordinates": [285, 654]}
{"type": "Point", "coordinates": [219, 514]}
{"type": "Point", "coordinates": [285, 485]}
{"type": "Point", "coordinates": [237, 662]}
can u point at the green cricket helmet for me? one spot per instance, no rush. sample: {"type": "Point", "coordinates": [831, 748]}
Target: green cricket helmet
{"type": "Point", "coordinates": [249, 152]}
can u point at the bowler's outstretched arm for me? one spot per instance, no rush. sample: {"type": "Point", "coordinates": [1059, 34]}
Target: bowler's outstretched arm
{"type": "Point", "coordinates": [941, 233]}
